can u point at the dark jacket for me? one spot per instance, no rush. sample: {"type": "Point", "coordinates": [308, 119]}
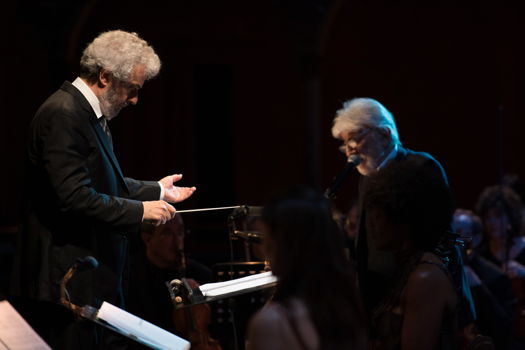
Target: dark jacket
{"type": "Point", "coordinates": [79, 204]}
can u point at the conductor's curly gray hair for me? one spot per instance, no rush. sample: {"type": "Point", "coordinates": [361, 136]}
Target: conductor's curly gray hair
{"type": "Point", "coordinates": [118, 52]}
{"type": "Point", "coordinates": [364, 112]}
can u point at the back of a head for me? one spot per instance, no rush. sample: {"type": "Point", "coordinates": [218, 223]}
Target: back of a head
{"type": "Point", "coordinates": [468, 218]}
{"type": "Point", "coordinates": [311, 265]}
{"type": "Point", "coordinates": [413, 197]}
{"type": "Point", "coordinates": [118, 52]}
{"type": "Point", "coordinates": [363, 113]}
{"type": "Point", "coordinates": [301, 226]}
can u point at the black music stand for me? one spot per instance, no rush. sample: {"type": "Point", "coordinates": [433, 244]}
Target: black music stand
{"type": "Point", "coordinates": [236, 310]}
{"type": "Point", "coordinates": [131, 327]}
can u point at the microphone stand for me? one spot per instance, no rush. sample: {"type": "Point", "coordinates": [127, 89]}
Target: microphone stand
{"type": "Point", "coordinates": [86, 311]}
{"type": "Point", "coordinates": [351, 163]}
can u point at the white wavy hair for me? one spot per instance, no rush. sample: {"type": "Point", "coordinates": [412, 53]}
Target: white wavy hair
{"type": "Point", "coordinates": [364, 112]}
{"type": "Point", "coordinates": [118, 52]}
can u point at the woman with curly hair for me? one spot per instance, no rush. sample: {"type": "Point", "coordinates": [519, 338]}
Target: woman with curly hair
{"type": "Point", "coordinates": [501, 209]}
{"type": "Point", "coordinates": [408, 214]}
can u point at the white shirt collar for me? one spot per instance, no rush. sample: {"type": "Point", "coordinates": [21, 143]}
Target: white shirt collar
{"type": "Point", "coordinates": [389, 157]}
{"type": "Point", "coordinates": [89, 95]}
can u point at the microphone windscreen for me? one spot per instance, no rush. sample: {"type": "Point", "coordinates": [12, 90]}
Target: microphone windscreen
{"type": "Point", "coordinates": [87, 263]}
{"type": "Point", "coordinates": [354, 159]}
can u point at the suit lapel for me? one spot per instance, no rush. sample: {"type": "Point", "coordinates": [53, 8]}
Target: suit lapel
{"type": "Point", "coordinates": [95, 124]}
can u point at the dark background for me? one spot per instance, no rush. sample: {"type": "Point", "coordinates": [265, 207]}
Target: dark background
{"type": "Point", "coordinates": [248, 89]}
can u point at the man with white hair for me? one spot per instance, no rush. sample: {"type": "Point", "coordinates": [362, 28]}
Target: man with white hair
{"type": "Point", "coordinates": [80, 203]}
{"type": "Point", "coordinates": [369, 133]}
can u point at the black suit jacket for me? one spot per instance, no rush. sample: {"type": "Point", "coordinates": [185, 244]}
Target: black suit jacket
{"type": "Point", "coordinates": [79, 204]}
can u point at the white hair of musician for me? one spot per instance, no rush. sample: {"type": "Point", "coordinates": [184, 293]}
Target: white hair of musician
{"type": "Point", "coordinates": [119, 52]}
{"type": "Point", "coordinates": [364, 112]}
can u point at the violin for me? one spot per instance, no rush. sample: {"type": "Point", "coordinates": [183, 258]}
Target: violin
{"type": "Point", "coordinates": [192, 322]}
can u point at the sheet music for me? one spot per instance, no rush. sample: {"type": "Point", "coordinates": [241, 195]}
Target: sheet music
{"type": "Point", "coordinates": [136, 327]}
{"type": "Point", "coordinates": [238, 284]}
{"type": "Point", "coordinates": [16, 333]}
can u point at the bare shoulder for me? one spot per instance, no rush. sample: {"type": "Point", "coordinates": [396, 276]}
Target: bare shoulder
{"type": "Point", "coordinates": [265, 329]}
{"type": "Point", "coordinates": [430, 279]}
{"type": "Point", "coordinates": [270, 314]}
{"type": "Point", "coordinates": [270, 328]}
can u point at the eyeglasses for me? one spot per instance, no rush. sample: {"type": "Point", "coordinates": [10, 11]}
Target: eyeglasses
{"type": "Point", "coordinates": [353, 140]}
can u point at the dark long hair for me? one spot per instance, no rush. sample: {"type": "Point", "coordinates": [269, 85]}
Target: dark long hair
{"type": "Point", "coordinates": [311, 265]}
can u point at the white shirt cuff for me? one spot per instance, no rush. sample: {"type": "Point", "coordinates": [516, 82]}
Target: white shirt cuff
{"type": "Point", "coordinates": [161, 191]}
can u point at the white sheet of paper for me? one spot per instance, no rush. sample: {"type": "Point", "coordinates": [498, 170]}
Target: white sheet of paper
{"type": "Point", "coordinates": [238, 284]}
{"type": "Point", "coordinates": [134, 326]}
{"type": "Point", "coordinates": [16, 333]}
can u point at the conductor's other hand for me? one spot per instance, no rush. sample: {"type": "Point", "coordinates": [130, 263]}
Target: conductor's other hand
{"type": "Point", "coordinates": [174, 194]}
{"type": "Point", "coordinates": [158, 212]}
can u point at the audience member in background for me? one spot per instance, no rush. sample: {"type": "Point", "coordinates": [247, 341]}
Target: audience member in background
{"type": "Point", "coordinates": [419, 310]}
{"type": "Point", "coordinates": [490, 286]}
{"type": "Point", "coordinates": [500, 209]}
{"type": "Point", "coordinates": [160, 258]}
{"type": "Point", "coordinates": [315, 305]}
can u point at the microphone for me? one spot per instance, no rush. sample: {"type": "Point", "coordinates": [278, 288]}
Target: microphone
{"type": "Point", "coordinates": [81, 264]}
{"type": "Point", "coordinates": [87, 263]}
{"type": "Point", "coordinates": [246, 216]}
{"type": "Point", "coordinates": [352, 161]}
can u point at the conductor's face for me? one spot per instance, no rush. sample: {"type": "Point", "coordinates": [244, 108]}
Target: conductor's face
{"type": "Point", "coordinates": [119, 94]}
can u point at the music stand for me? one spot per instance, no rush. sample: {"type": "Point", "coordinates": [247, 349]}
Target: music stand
{"type": "Point", "coordinates": [235, 309]}
{"type": "Point", "coordinates": [118, 320]}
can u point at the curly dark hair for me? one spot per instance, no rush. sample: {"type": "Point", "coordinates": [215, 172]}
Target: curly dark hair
{"type": "Point", "coordinates": [502, 197]}
{"type": "Point", "coordinates": [419, 200]}
{"type": "Point", "coordinates": [415, 197]}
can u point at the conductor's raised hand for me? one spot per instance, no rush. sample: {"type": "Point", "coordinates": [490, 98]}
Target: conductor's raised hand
{"type": "Point", "coordinates": [172, 193]}
{"type": "Point", "coordinates": [158, 212]}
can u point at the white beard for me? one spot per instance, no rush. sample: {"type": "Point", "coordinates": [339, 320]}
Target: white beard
{"type": "Point", "coordinates": [108, 103]}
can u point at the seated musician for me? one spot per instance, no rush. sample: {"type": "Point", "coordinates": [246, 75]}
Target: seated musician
{"type": "Point", "coordinates": [315, 304]}
{"type": "Point", "coordinates": [500, 209]}
{"type": "Point", "coordinates": [491, 287]}
{"type": "Point", "coordinates": [159, 258]}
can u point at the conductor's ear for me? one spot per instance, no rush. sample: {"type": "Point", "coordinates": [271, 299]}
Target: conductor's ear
{"type": "Point", "coordinates": [104, 78]}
